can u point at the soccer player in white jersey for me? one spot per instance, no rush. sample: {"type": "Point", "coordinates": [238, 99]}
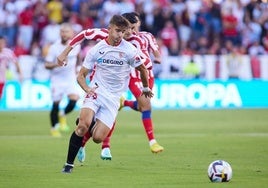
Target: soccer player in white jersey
{"type": "Point", "coordinates": [63, 80]}
{"type": "Point", "coordinates": [144, 45]}
{"type": "Point", "coordinates": [7, 56]}
{"type": "Point", "coordinates": [112, 60]}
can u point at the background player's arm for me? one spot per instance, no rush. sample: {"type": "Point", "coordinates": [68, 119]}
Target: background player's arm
{"type": "Point", "coordinates": [63, 55]}
{"type": "Point", "coordinates": [157, 56]}
{"type": "Point", "coordinates": [153, 47]}
{"type": "Point", "coordinates": [78, 39]}
{"type": "Point", "coordinates": [50, 65]}
{"type": "Point", "coordinates": [18, 69]}
{"type": "Point", "coordinates": [90, 34]}
{"type": "Point", "coordinates": [50, 58]}
{"type": "Point", "coordinates": [145, 83]}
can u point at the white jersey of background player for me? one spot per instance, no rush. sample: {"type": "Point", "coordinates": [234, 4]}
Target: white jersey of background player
{"type": "Point", "coordinates": [63, 79]}
{"type": "Point", "coordinates": [66, 73]}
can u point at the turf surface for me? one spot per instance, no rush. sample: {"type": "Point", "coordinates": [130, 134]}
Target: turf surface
{"type": "Point", "coordinates": [29, 157]}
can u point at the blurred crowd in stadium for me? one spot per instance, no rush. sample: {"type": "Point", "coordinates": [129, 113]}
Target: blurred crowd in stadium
{"type": "Point", "coordinates": [181, 27]}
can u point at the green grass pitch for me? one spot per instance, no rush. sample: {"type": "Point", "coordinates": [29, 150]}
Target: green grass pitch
{"type": "Point", "coordinates": [29, 157]}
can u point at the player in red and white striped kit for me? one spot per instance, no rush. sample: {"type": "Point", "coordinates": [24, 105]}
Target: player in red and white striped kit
{"type": "Point", "coordinates": [7, 56]}
{"type": "Point", "coordinates": [142, 104]}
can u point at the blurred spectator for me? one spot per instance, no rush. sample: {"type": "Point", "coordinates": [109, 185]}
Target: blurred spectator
{"type": "Point", "coordinates": [50, 33]}
{"type": "Point", "coordinates": [158, 68]}
{"type": "Point", "coordinates": [215, 48]}
{"type": "Point", "coordinates": [234, 62]}
{"type": "Point", "coordinates": [40, 18]}
{"type": "Point", "coordinates": [202, 22]}
{"type": "Point", "coordinates": [168, 34]}
{"type": "Point", "coordinates": [74, 21]}
{"type": "Point", "coordinates": [256, 49]}
{"type": "Point", "coordinates": [191, 70]}
{"type": "Point", "coordinates": [265, 44]}
{"type": "Point", "coordinates": [216, 25]}
{"type": "Point", "coordinates": [243, 22]}
{"type": "Point", "coordinates": [110, 7]}
{"type": "Point", "coordinates": [126, 6]}
{"type": "Point", "coordinates": [8, 23]}
{"type": "Point", "coordinates": [55, 11]}
{"type": "Point", "coordinates": [173, 49]}
{"type": "Point", "coordinates": [202, 45]}
{"type": "Point", "coordinates": [230, 27]}
{"type": "Point", "coordinates": [251, 31]}
{"type": "Point", "coordinates": [20, 49]}
{"type": "Point", "coordinates": [25, 27]}
{"type": "Point", "coordinates": [193, 6]}
{"type": "Point", "coordinates": [94, 9]}
{"type": "Point", "coordinates": [184, 29]}
{"type": "Point", "coordinates": [178, 6]}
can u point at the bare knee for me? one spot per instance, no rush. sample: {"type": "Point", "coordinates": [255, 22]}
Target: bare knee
{"type": "Point", "coordinates": [144, 105]}
{"type": "Point", "coordinates": [81, 129]}
{"type": "Point", "coordinates": [97, 137]}
{"type": "Point", "coordinates": [97, 140]}
{"type": "Point", "coordinates": [99, 134]}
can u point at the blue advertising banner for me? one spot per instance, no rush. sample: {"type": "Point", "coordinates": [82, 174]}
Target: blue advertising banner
{"type": "Point", "coordinates": [169, 94]}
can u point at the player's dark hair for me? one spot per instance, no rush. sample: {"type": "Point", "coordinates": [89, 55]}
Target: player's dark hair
{"type": "Point", "coordinates": [132, 18]}
{"type": "Point", "coordinates": [136, 14]}
{"type": "Point", "coordinates": [119, 21]}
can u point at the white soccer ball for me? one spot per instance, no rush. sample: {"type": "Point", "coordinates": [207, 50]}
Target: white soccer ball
{"type": "Point", "coordinates": [220, 171]}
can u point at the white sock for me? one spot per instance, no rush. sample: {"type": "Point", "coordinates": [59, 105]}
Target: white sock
{"type": "Point", "coordinates": [151, 142]}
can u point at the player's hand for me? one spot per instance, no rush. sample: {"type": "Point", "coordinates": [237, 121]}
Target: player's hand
{"type": "Point", "coordinates": [61, 60]}
{"type": "Point", "coordinates": [91, 91]}
{"type": "Point", "coordinates": [147, 92]}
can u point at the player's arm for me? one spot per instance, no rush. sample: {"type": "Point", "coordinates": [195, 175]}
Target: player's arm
{"type": "Point", "coordinates": [78, 39]}
{"type": "Point", "coordinates": [18, 69]}
{"type": "Point", "coordinates": [145, 83]}
{"type": "Point", "coordinates": [157, 56]}
{"type": "Point", "coordinates": [50, 59]}
{"type": "Point", "coordinates": [63, 55]}
{"type": "Point", "coordinates": [81, 79]}
{"type": "Point", "coordinates": [78, 62]}
{"type": "Point", "coordinates": [90, 34]}
{"type": "Point", "coordinates": [14, 59]}
{"type": "Point", "coordinates": [50, 65]}
{"type": "Point", "coordinates": [153, 46]}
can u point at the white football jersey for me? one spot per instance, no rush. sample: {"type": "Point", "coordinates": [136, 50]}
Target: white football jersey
{"type": "Point", "coordinates": [64, 73]}
{"type": "Point", "coordinates": [113, 65]}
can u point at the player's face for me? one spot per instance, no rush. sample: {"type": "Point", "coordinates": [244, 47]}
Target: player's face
{"type": "Point", "coordinates": [66, 34]}
{"type": "Point", "coordinates": [129, 31]}
{"type": "Point", "coordinates": [116, 34]}
{"type": "Point", "coordinates": [137, 26]}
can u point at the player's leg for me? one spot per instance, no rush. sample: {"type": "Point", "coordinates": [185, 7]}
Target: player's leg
{"type": "Point", "coordinates": [145, 109]}
{"type": "Point", "coordinates": [85, 119]}
{"type": "Point", "coordinates": [105, 149]}
{"type": "Point", "coordinates": [81, 155]}
{"type": "Point", "coordinates": [143, 105]}
{"type": "Point", "coordinates": [69, 108]}
{"type": "Point", "coordinates": [1, 89]}
{"type": "Point", "coordinates": [54, 119]}
{"type": "Point", "coordinates": [133, 104]}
